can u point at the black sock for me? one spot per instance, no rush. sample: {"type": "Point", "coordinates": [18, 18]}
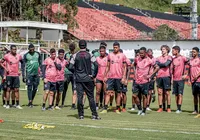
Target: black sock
{"type": "Point", "coordinates": [168, 106]}
{"type": "Point", "coordinates": [13, 102]}
{"type": "Point", "coordinates": [124, 105]}
{"type": "Point", "coordinates": [110, 104]}
{"type": "Point", "coordinates": [160, 106]}
{"type": "Point", "coordinates": [164, 106]}
{"type": "Point", "coordinates": [121, 104]}
{"type": "Point", "coordinates": [73, 105]}
{"type": "Point", "coordinates": [50, 106]}
{"type": "Point", "coordinates": [56, 104]}
{"type": "Point", "coordinates": [97, 104]}
{"type": "Point", "coordinates": [17, 102]}
{"type": "Point", "coordinates": [196, 108]}
{"type": "Point", "coordinates": [133, 106]}
{"type": "Point", "coordinates": [4, 102]}
{"type": "Point", "coordinates": [139, 107]}
{"type": "Point", "coordinates": [179, 107]}
{"type": "Point", "coordinates": [101, 104]}
{"type": "Point", "coordinates": [8, 102]}
{"type": "Point", "coordinates": [43, 105]}
{"type": "Point", "coordinates": [148, 106]}
{"type": "Point", "coordinates": [106, 107]}
{"type": "Point", "coordinates": [144, 110]}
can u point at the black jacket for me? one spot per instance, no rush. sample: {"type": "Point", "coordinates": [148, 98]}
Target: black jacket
{"type": "Point", "coordinates": [81, 65]}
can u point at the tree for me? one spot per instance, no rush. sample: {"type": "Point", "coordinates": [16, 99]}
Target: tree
{"type": "Point", "coordinates": [164, 32]}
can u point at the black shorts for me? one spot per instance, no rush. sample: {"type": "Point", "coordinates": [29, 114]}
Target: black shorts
{"type": "Point", "coordinates": [33, 80]}
{"type": "Point", "coordinates": [178, 87]}
{"type": "Point", "coordinates": [50, 86]}
{"type": "Point", "coordinates": [114, 84]}
{"type": "Point", "coordinates": [140, 88]}
{"type": "Point", "coordinates": [164, 83]}
{"type": "Point", "coordinates": [13, 82]}
{"type": "Point", "coordinates": [60, 86]}
{"type": "Point", "coordinates": [69, 78]}
{"type": "Point", "coordinates": [99, 81]}
{"type": "Point", "coordinates": [1, 72]}
{"type": "Point", "coordinates": [152, 85]}
{"type": "Point", "coordinates": [124, 88]}
{"type": "Point", "coordinates": [196, 88]}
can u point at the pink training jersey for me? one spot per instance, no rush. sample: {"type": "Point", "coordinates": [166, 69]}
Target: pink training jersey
{"type": "Point", "coordinates": [51, 71]}
{"type": "Point", "coordinates": [60, 74]}
{"type": "Point", "coordinates": [164, 72]}
{"type": "Point", "coordinates": [12, 64]}
{"type": "Point", "coordinates": [178, 67]}
{"type": "Point", "coordinates": [116, 65]}
{"type": "Point", "coordinates": [142, 70]}
{"type": "Point", "coordinates": [194, 69]}
{"type": "Point", "coordinates": [102, 64]}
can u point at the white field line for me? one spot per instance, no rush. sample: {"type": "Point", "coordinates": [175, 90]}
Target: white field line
{"type": "Point", "coordinates": [104, 127]}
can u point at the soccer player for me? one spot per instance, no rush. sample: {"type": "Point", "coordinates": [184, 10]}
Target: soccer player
{"type": "Point", "coordinates": [151, 94]}
{"type": "Point", "coordinates": [60, 76]}
{"type": "Point", "coordinates": [115, 76]}
{"type": "Point", "coordinates": [102, 64]}
{"type": "Point", "coordinates": [194, 74]}
{"type": "Point", "coordinates": [164, 77]}
{"type": "Point", "coordinates": [81, 66]}
{"type": "Point", "coordinates": [32, 62]}
{"type": "Point", "coordinates": [69, 77]}
{"type": "Point", "coordinates": [49, 72]}
{"type": "Point", "coordinates": [178, 67]}
{"type": "Point", "coordinates": [12, 60]}
{"type": "Point", "coordinates": [142, 66]}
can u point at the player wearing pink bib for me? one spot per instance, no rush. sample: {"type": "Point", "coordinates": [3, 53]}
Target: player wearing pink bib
{"type": "Point", "coordinates": [142, 66]}
{"type": "Point", "coordinates": [12, 60]}
{"type": "Point", "coordinates": [50, 68]}
{"type": "Point", "coordinates": [164, 78]}
{"type": "Point", "coordinates": [178, 67]}
{"type": "Point", "coordinates": [151, 93]}
{"type": "Point", "coordinates": [115, 75]}
{"type": "Point", "coordinates": [102, 64]}
{"type": "Point", "coordinates": [194, 74]}
{"type": "Point", "coordinates": [60, 77]}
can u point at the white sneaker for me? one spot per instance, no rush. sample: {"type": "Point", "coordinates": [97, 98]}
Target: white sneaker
{"type": "Point", "coordinates": [4, 106]}
{"type": "Point", "coordinates": [143, 114]}
{"type": "Point", "coordinates": [178, 111]}
{"type": "Point", "coordinates": [97, 108]}
{"type": "Point", "coordinates": [7, 106]}
{"type": "Point", "coordinates": [139, 112]}
{"type": "Point", "coordinates": [149, 109]}
{"type": "Point", "coordinates": [132, 109]}
{"type": "Point", "coordinates": [19, 107]}
{"type": "Point", "coordinates": [57, 108]}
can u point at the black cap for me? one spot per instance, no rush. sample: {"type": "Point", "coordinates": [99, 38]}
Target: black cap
{"type": "Point", "coordinates": [31, 46]}
{"type": "Point", "coordinates": [82, 44]}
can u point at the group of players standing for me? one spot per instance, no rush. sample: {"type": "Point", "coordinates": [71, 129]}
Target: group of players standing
{"type": "Point", "coordinates": [109, 72]}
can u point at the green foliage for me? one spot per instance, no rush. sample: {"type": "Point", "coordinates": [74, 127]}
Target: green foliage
{"type": "Point", "coordinates": [164, 32]}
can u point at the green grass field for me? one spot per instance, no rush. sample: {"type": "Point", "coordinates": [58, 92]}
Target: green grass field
{"type": "Point", "coordinates": [112, 126]}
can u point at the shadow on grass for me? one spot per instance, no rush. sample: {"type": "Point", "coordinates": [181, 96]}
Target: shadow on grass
{"type": "Point", "coordinates": [77, 117]}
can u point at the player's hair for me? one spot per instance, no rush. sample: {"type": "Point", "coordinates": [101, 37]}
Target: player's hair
{"type": "Point", "coordinates": [116, 44]}
{"type": "Point", "coordinates": [136, 51]}
{"type": "Point", "coordinates": [103, 44]}
{"type": "Point", "coordinates": [102, 47]}
{"type": "Point", "coordinates": [143, 48]}
{"type": "Point", "coordinates": [149, 50]}
{"type": "Point", "coordinates": [12, 46]}
{"type": "Point", "coordinates": [196, 49]}
{"type": "Point", "coordinates": [52, 50]}
{"type": "Point", "coordinates": [72, 47]}
{"type": "Point", "coordinates": [166, 47]}
{"type": "Point", "coordinates": [177, 48]}
{"type": "Point", "coordinates": [61, 51]}
{"type": "Point", "coordinates": [120, 50]}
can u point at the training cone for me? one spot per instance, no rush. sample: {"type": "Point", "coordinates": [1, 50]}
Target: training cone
{"type": "Point", "coordinates": [1, 121]}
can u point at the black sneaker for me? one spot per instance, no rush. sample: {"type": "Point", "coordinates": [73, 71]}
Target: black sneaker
{"type": "Point", "coordinates": [81, 118]}
{"type": "Point", "coordinates": [73, 108]}
{"type": "Point", "coordinates": [96, 118]}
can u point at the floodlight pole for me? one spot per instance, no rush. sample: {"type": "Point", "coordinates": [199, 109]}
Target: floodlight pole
{"type": "Point", "coordinates": [193, 20]}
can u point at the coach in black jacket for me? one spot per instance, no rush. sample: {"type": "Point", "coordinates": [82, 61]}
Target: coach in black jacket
{"type": "Point", "coordinates": [81, 65]}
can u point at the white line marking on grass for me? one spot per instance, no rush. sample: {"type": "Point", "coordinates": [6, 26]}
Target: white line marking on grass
{"type": "Point", "coordinates": [104, 127]}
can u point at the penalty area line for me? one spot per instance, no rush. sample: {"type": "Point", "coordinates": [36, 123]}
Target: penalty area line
{"type": "Point", "coordinates": [104, 127]}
